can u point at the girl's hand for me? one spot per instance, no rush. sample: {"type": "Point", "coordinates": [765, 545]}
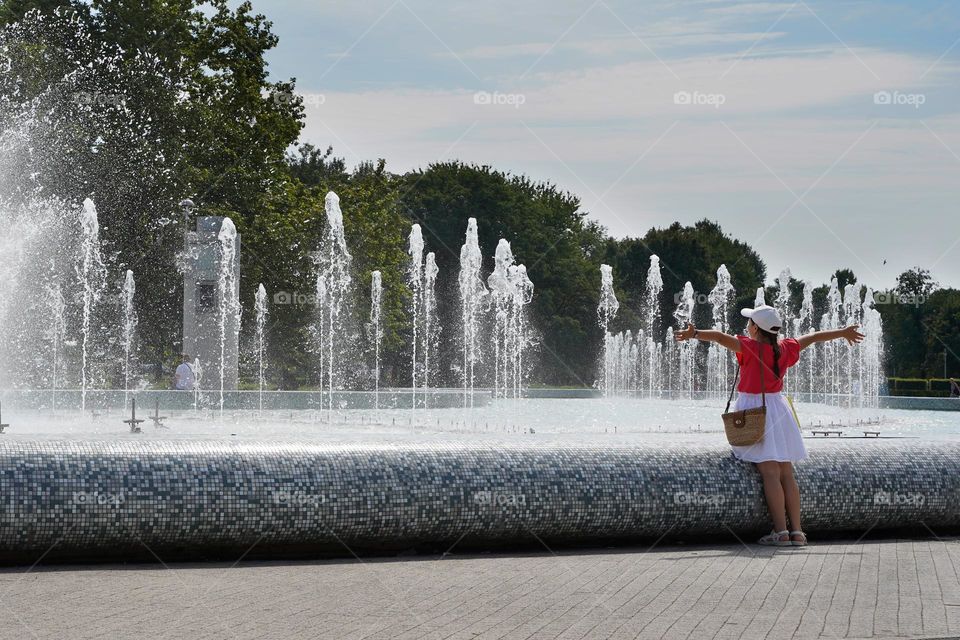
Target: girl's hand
{"type": "Point", "coordinates": [852, 334]}
{"type": "Point", "coordinates": [686, 334]}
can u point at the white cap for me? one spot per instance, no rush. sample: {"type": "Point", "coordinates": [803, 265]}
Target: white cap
{"type": "Point", "coordinates": [765, 317]}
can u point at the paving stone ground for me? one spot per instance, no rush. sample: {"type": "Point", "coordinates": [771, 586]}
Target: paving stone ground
{"type": "Point", "coordinates": [837, 589]}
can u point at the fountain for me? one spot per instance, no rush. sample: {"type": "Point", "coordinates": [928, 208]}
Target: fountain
{"type": "Point", "coordinates": [686, 351]}
{"type": "Point", "coordinates": [718, 358]}
{"type": "Point", "coordinates": [415, 281]}
{"type": "Point", "coordinates": [871, 352]}
{"type": "Point", "coordinates": [782, 303]}
{"type": "Point", "coordinates": [630, 359]}
{"type": "Point", "coordinates": [606, 311]}
{"type": "Point", "coordinates": [521, 288]}
{"type": "Point", "coordinates": [651, 323]}
{"type": "Point", "coordinates": [197, 379]}
{"type": "Point", "coordinates": [376, 302]}
{"type": "Point", "coordinates": [228, 292]}
{"type": "Point", "coordinates": [827, 352]}
{"type": "Point", "coordinates": [91, 276]}
{"type": "Point", "coordinates": [472, 298]}
{"type": "Point", "coordinates": [55, 309]}
{"type": "Point", "coordinates": [320, 330]}
{"type": "Point", "coordinates": [621, 363]}
{"type": "Point", "coordinates": [850, 314]}
{"type": "Point", "coordinates": [511, 291]}
{"type": "Point", "coordinates": [261, 311]}
{"type": "Point", "coordinates": [804, 323]}
{"type": "Point", "coordinates": [431, 329]}
{"type": "Point", "coordinates": [333, 290]}
{"type": "Point", "coordinates": [128, 336]}
{"type": "Point", "coordinates": [500, 290]}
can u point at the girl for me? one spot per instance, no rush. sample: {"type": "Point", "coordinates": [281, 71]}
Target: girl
{"type": "Point", "coordinates": [762, 356]}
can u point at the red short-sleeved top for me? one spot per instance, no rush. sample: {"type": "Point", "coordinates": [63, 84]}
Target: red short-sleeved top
{"type": "Point", "coordinates": [750, 365]}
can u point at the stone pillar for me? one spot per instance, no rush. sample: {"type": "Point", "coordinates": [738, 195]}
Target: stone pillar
{"type": "Point", "coordinates": [202, 308]}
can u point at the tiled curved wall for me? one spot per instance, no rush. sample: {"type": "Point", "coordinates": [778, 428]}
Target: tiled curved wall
{"type": "Point", "coordinates": [109, 497]}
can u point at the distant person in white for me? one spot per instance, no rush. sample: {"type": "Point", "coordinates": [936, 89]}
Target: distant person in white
{"type": "Point", "coordinates": [185, 378]}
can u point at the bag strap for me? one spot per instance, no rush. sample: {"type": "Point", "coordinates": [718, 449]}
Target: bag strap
{"type": "Point", "coordinates": [763, 386]}
{"type": "Point", "coordinates": [732, 388]}
{"type": "Point", "coordinates": [763, 390]}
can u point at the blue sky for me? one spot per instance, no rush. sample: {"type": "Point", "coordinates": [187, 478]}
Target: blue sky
{"type": "Point", "coordinates": [825, 134]}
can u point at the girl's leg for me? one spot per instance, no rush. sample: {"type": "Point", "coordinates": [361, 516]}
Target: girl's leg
{"type": "Point", "coordinates": [773, 490]}
{"type": "Point", "coordinates": [791, 495]}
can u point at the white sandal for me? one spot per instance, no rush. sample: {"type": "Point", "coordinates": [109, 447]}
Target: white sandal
{"type": "Point", "coordinates": [774, 539]}
{"type": "Point", "coordinates": [798, 543]}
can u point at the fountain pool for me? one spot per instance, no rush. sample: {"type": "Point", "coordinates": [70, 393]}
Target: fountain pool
{"type": "Point", "coordinates": [583, 421]}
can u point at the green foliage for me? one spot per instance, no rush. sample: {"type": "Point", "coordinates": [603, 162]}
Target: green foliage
{"type": "Point", "coordinates": [13, 10]}
{"type": "Point", "coordinates": [686, 254]}
{"type": "Point", "coordinates": [922, 387]}
{"type": "Point", "coordinates": [921, 323]}
{"type": "Point", "coordinates": [844, 277]}
{"type": "Point", "coordinates": [916, 282]}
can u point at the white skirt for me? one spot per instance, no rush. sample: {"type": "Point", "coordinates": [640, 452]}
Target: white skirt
{"type": "Point", "coordinates": [782, 440]}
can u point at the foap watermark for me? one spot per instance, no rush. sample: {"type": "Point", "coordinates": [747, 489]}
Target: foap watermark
{"type": "Point", "coordinates": [699, 99]}
{"type": "Point", "coordinates": [307, 99]}
{"type": "Point", "coordinates": [699, 499]}
{"type": "Point", "coordinates": [897, 98]}
{"type": "Point", "coordinates": [499, 499]}
{"type": "Point", "coordinates": [898, 499]}
{"type": "Point", "coordinates": [298, 499]}
{"type": "Point", "coordinates": [295, 298]}
{"type": "Point", "coordinates": [98, 498]}
{"type": "Point", "coordinates": [496, 98]}
{"type": "Point", "coordinates": [699, 298]}
{"type": "Point", "coordinates": [892, 297]}
{"type": "Point", "coordinates": [97, 98]}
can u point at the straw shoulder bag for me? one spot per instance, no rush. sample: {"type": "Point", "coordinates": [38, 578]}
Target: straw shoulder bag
{"type": "Point", "coordinates": [746, 427]}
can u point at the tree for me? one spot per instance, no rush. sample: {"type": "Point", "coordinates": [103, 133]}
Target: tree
{"type": "Point", "coordinates": [917, 324]}
{"type": "Point", "coordinates": [916, 283]}
{"type": "Point", "coordinates": [144, 104]}
{"type": "Point", "coordinates": [844, 277]}
{"type": "Point", "coordinates": [941, 327]}
{"type": "Point", "coordinates": [686, 254]}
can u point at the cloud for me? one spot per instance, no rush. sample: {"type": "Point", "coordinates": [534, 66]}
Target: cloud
{"type": "Point", "coordinates": [502, 51]}
{"type": "Point", "coordinates": [798, 110]}
{"type": "Point", "coordinates": [753, 8]}
{"type": "Point", "coordinates": [626, 44]}
{"type": "Point", "coordinates": [601, 100]}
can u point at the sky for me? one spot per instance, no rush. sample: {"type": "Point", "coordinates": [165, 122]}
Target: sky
{"type": "Point", "coordinates": [824, 134]}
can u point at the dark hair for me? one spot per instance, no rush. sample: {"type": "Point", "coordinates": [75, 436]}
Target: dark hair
{"type": "Point", "coordinates": [774, 342]}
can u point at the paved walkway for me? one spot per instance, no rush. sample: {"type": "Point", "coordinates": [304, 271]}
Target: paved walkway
{"type": "Point", "coordinates": [873, 589]}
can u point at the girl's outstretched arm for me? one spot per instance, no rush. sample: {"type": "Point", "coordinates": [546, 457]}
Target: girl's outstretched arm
{"type": "Point", "coordinates": [708, 335]}
{"type": "Point", "coordinates": [851, 334]}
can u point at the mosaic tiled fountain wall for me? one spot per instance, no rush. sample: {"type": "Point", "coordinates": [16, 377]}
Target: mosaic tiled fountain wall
{"type": "Point", "coordinates": [117, 497]}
